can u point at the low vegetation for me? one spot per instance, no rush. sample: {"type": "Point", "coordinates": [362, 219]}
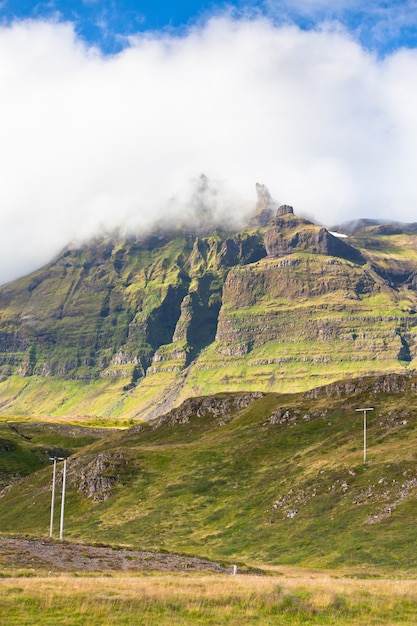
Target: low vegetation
{"type": "Point", "coordinates": [275, 484]}
{"type": "Point", "coordinates": [276, 479]}
{"type": "Point", "coordinates": [290, 597]}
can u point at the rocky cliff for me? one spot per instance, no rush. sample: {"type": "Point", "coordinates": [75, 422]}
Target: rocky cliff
{"type": "Point", "coordinates": [280, 305]}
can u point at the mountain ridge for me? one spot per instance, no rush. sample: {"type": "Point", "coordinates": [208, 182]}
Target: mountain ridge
{"type": "Point", "coordinates": [132, 326]}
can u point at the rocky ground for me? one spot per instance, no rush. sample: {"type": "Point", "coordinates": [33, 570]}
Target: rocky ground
{"type": "Point", "coordinates": [43, 554]}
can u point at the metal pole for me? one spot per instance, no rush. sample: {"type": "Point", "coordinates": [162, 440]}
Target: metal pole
{"type": "Point", "coordinates": [51, 527]}
{"type": "Point", "coordinates": [364, 436]}
{"type": "Point", "coordinates": [364, 430]}
{"type": "Point", "coordinates": [64, 477]}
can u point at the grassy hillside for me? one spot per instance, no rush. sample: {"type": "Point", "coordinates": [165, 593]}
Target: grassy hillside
{"type": "Point", "coordinates": [26, 447]}
{"type": "Point", "coordinates": [270, 479]}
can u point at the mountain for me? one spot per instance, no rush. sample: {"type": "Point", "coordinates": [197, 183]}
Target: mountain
{"type": "Point", "coordinates": [128, 327]}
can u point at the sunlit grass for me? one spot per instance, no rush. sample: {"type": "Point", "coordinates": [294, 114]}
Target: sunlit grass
{"type": "Point", "coordinates": [288, 597]}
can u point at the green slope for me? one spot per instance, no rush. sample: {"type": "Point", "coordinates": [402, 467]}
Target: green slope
{"type": "Point", "coordinates": [277, 478]}
{"type": "Point", "coordinates": [26, 447]}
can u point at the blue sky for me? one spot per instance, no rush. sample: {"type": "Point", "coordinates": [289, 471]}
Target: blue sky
{"type": "Point", "coordinates": [111, 111]}
{"type": "Point", "coordinates": [382, 26]}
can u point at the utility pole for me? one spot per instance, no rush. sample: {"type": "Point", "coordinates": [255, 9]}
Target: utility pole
{"type": "Point", "coordinates": [54, 459]}
{"type": "Point", "coordinates": [64, 478]}
{"type": "Point", "coordinates": [364, 430]}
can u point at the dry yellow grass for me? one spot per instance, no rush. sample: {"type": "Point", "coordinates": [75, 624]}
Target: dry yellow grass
{"type": "Point", "coordinates": [321, 587]}
{"type": "Point", "coordinates": [290, 597]}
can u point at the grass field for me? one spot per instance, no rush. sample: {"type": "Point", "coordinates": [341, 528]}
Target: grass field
{"type": "Point", "coordinates": [283, 597]}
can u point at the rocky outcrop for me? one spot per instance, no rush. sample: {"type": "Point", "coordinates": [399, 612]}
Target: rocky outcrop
{"type": "Point", "coordinates": [96, 477]}
{"type": "Point", "coordinates": [265, 208]}
{"type": "Point", "coordinates": [389, 383]}
{"type": "Point", "coordinates": [220, 408]}
{"type": "Point", "coordinates": [288, 234]}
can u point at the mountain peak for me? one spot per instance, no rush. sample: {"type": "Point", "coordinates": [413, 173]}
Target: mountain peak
{"type": "Point", "coordinates": [267, 208]}
{"type": "Point", "coordinates": [265, 200]}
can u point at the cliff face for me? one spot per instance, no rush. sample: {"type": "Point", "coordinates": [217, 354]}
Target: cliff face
{"type": "Point", "coordinates": [287, 234]}
{"type": "Point", "coordinates": [282, 304]}
{"type": "Point", "coordinates": [314, 310]}
{"type": "Point", "coordinates": [111, 305]}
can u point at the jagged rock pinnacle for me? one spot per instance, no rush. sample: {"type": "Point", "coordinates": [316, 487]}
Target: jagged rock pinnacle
{"type": "Point", "coordinates": [265, 207]}
{"type": "Point", "coordinates": [264, 197]}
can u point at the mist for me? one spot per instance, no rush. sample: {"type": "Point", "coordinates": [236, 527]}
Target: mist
{"type": "Point", "coordinates": [92, 142]}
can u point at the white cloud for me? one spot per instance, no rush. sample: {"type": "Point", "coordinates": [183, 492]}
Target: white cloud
{"type": "Point", "coordinates": [88, 140]}
{"type": "Point", "coordinates": [379, 25]}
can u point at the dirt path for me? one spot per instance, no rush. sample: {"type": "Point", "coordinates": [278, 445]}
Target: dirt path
{"type": "Point", "coordinates": [64, 556]}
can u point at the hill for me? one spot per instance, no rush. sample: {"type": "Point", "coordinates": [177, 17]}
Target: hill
{"type": "Point", "coordinates": [260, 478]}
{"type": "Point", "coordinates": [128, 327]}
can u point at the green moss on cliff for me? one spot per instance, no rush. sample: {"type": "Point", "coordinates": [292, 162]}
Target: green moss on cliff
{"type": "Point", "coordinates": [142, 322]}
